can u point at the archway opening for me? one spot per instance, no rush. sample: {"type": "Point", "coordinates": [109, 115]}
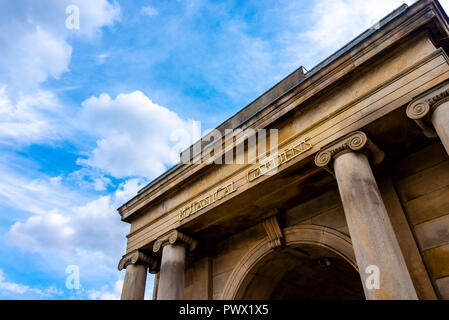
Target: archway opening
{"type": "Point", "coordinates": [302, 272]}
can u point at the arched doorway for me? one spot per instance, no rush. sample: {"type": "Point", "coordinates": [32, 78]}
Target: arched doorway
{"type": "Point", "coordinates": [315, 263]}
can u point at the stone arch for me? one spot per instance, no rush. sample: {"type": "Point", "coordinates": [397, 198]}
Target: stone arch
{"type": "Point", "coordinates": [328, 238]}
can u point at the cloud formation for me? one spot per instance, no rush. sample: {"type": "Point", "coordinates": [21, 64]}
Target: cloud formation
{"type": "Point", "coordinates": [36, 44]}
{"type": "Point", "coordinates": [114, 293]}
{"type": "Point", "coordinates": [8, 287]}
{"type": "Point", "coordinates": [93, 227]}
{"type": "Point", "coordinates": [34, 49]}
{"type": "Point", "coordinates": [332, 23]}
{"type": "Point", "coordinates": [89, 236]}
{"type": "Point", "coordinates": [105, 294]}
{"type": "Point", "coordinates": [36, 117]}
{"type": "Point", "coordinates": [149, 11]}
{"type": "Point", "coordinates": [134, 134]}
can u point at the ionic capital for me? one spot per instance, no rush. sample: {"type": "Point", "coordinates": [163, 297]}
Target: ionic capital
{"type": "Point", "coordinates": [354, 141]}
{"type": "Point", "coordinates": [421, 108]}
{"type": "Point", "coordinates": [138, 257]}
{"type": "Point", "coordinates": [172, 237]}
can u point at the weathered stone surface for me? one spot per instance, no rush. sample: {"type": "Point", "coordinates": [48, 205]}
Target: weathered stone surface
{"type": "Point", "coordinates": [334, 218]}
{"type": "Point", "coordinates": [437, 259]}
{"type": "Point", "coordinates": [273, 230]}
{"type": "Point", "coordinates": [136, 264]}
{"type": "Point", "coordinates": [443, 286]}
{"type": "Point", "coordinates": [220, 281]}
{"type": "Point", "coordinates": [315, 207]}
{"type": "Point", "coordinates": [433, 233]}
{"type": "Point", "coordinates": [198, 282]}
{"type": "Point", "coordinates": [171, 280]}
{"type": "Point", "coordinates": [371, 232]}
{"type": "Point", "coordinates": [302, 241]}
{"type": "Point", "coordinates": [440, 121]}
{"type": "Point", "coordinates": [174, 246]}
{"type": "Point", "coordinates": [413, 164]}
{"type": "Point", "coordinates": [424, 182]}
{"type": "Point", "coordinates": [134, 283]}
{"type": "Point", "coordinates": [429, 206]}
{"type": "Point", "coordinates": [409, 248]}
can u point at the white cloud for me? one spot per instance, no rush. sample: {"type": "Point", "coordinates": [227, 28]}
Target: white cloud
{"type": "Point", "coordinates": [127, 190]}
{"type": "Point", "coordinates": [100, 184]}
{"type": "Point", "coordinates": [91, 179]}
{"type": "Point", "coordinates": [134, 134]}
{"type": "Point", "coordinates": [11, 286]}
{"type": "Point", "coordinates": [20, 190]}
{"type": "Point", "coordinates": [90, 236]}
{"type": "Point", "coordinates": [339, 21]}
{"type": "Point", "coordinates": [95, 15]}
{"type": "Point", "coordinates": [34, 118]}
{"type": "Point", "coordinates": [86, 234]}
{"type": "Point", "coordinates": [445, 5]}
{"type": "Point", "coordinates": [102, 57]}
{"type": "Point", "coordinates": [35, 46]}
{"type": "Point", "coordinates": [114, 293]}
{"type": "Point", "coordinates": [332, 23]}
{"type": "Point", "coordinates": [16, 288]}
{"type": "Point", "coordinates": [95, 226]}
{"type": "Point", "coordinates": [51, 229]}
{"type": "Point", "coordinates": [149, 11]}
{"type": "Point", "coordinates": [50, 57]}
{"type": "Point", "coordinates": [104, 294]}
{"type": "Point", "coordinates": [65, 227]}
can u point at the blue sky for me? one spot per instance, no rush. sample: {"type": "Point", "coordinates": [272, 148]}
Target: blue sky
{"type": "Point", "coordinates": [88, 116]}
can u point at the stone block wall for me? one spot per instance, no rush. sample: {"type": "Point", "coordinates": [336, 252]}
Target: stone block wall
{"type": "Point", "coordinates": [422, 182]}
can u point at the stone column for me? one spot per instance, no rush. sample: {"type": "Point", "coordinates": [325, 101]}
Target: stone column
{"type": "Point", "coordinates": [155, 285]}
{"type": "Point", "coordinates": [171, 279]}
{"type": "Point", "coordinates": [371, 232]}
{"type": "Point", "coordinates": [136, 264]}
{"type": "Point", "coordinates": [431, 112]}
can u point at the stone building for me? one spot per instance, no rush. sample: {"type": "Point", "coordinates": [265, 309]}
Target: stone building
{"type": "Point", "coordinates": [356, 203]}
